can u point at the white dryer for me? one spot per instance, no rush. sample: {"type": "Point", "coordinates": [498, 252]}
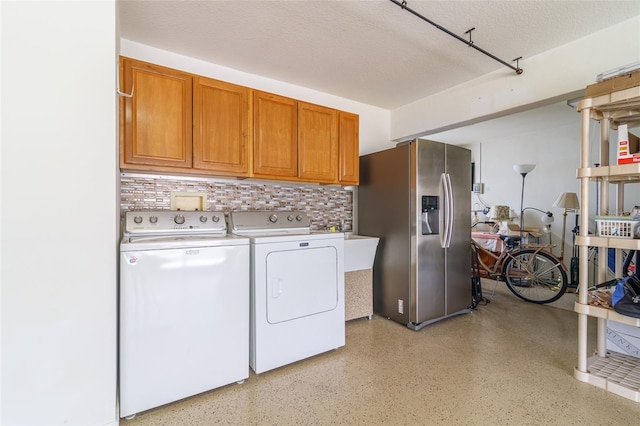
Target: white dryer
{"type": "Point", "coordinates": [297, 288]}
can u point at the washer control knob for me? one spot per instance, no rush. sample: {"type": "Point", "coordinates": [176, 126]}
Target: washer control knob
{"type": "Point", "coordinates": [203, 219]}
{"type": "Point", "coordinates": [290, 218]}
{"type": "Point", "coordinates": [179, 219]}
{"type": "Point", "coordinates": [137, 219]}
{"type": "Point", "coordinates": [153, 219]}
{"type": "Point", "coordinates": [299, 218]}
{"type": "Point", "coordinates": [216, 219]}
{"type": "Point", "coordinates": [273, 218]}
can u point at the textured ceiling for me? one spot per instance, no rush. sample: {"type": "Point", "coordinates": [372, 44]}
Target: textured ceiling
{"type": "Point", "coordinates": [369, 51]}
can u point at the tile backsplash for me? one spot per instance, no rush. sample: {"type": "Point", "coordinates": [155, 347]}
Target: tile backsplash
{"type": "Point", "coordinates": [326, 206]}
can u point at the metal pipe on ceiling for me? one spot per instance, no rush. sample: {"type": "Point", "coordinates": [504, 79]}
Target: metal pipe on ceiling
{"type": "Point", "coordinates": [470, 43]}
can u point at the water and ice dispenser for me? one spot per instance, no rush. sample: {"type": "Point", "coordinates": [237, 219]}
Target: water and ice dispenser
{"type": "Point", "coordinates": [430, 215]}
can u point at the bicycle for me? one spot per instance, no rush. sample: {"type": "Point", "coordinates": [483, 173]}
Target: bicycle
{"type": "Point", "coordinates": [531, 271]}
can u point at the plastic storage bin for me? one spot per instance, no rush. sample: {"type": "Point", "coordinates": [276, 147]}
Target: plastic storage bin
{"type": "Point", "coordinates": [617, 226]}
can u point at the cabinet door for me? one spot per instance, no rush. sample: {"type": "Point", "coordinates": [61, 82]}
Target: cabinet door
{"type": "Point", "coordinates": [349, 148]}
{"type": "Point", "coordinates": [317, 143]}
{"type": "Point", "coordinates": [221, 117]}
{"type": "Point", "coordinates": [275, 145]}
{"type": "Point", "coordinates": [155, 124]}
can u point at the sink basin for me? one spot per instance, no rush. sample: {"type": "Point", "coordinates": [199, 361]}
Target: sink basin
{"type": "Point", "coordinates": [359, 251]}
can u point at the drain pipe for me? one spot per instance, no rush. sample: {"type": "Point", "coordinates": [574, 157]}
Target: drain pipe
{"type": "Point", "coordinates": [470, 43]}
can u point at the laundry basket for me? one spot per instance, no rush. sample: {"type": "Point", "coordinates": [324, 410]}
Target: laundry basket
{"type": "Point", "coordinates": [617, 226]}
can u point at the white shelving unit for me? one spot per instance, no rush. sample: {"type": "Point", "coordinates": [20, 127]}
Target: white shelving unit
{"type": "Point", "coordinates": [614, 372]}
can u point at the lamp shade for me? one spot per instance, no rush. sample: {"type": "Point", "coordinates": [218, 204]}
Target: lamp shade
{"type": "Point", "coordinates": [567, 200]}
{"type": "Point", "coordinates": [546, 219]}
{"type": "Point", "coordinates": [499, 213]}
{"type": "Point", "coordinates": [523, 169]}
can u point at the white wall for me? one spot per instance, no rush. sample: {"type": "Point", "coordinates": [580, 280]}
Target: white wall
{"type": "Point", "coordinates": [554, 149]}
{"type": "Point", "coordinates": [374, 121]}
{"type": "Point", "coordinates": [58, 213]}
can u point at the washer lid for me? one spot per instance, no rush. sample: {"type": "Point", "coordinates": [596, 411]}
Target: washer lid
{"type": "Point", "coordinates": [162, 242]}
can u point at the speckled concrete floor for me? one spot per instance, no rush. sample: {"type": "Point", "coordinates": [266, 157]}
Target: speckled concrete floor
{"type": "Point", "coordinates": [507, 363]}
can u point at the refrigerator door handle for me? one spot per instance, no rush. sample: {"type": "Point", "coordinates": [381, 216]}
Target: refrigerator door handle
{"type": "Point", "coordinates": [448, 212]}
{"type": "Point", "coordinates": [443, 215]}
{"type": "Point", "coordinates": [445, 210]}
{"type": "Point", "coordinates": [451, 210]}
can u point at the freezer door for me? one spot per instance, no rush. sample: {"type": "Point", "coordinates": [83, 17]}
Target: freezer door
{"type": "Point", "coordinates": [428, 278]}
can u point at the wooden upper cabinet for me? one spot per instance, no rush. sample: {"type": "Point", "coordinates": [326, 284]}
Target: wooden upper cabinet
{"type": "Point", "coordinates": [317, 143]}
{"type": "Point", "coordinates": [155, 124]}
{"type": "Point", "coordinates": [221, 127]}
{"type": "Point", "coordinates": [275, 137]}
{"type": "Point", "coordinates": [184, 123]}
{"type": "Point", "coordinates": [349, 143]}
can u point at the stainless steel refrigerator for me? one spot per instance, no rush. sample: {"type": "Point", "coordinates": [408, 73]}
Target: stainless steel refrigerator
{"type": "Point", "coordinates": [417, 198]}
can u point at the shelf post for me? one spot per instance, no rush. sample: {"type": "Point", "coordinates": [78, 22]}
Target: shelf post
{"type": "Point", "coordinates": [583, 250]}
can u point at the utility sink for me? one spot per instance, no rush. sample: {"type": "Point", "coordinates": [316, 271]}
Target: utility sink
{"type": "Point", "coordinates": [359, 252]}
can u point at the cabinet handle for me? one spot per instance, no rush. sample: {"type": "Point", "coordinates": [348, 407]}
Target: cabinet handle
{"type": "Point", "coordinates": [126, 95]}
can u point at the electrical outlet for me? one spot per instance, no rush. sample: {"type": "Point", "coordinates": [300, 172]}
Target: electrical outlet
{"type": "Point", "coordinates": [478, 188]}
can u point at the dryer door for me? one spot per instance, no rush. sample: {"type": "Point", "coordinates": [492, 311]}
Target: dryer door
{"type": "Point", "coordinates": [301, 282]}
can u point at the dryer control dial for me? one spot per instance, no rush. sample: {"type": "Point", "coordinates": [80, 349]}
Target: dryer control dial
{"type": "Point", "coordinates": [299, 218]}
{"type": "Point", "coordinates": [273, 218]}
{"type": "Point", "coordinates": [153, 219]}
{"type": "Point", "coordinates": [290, 218]}
{"type": "Point", "coordinates": [137, 219]}
{"type": "Point", "coordinates": [216, 219]}
{"type": "Point", "coordinates": [179, 219]}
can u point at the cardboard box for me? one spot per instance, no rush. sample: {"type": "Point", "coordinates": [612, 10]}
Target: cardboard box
{"type": "Point", "coordinates": [623, 338]}
{"type": "Point", "coordinates": [613, 85]}
{"type": "Point", "coordinates": [635, 158]}
{"type": "Point", "coordinates": [513, 230]}
{"type": "Point", "coordinates": [628, 146]}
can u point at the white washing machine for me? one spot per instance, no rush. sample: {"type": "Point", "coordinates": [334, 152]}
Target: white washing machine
{"type": "Point", "coordinates": [297, 288]}
{"type": "Point", "coordinates": [184, 307]}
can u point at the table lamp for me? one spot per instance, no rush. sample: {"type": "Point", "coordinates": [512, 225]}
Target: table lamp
{"type": "Point", "coordinates": [499, 214]}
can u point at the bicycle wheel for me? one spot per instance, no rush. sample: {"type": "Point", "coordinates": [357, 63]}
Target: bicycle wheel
{"type": "Point", "coordinates": [536, 277]}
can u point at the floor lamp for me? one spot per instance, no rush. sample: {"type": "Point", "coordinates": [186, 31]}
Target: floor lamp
{"type": "Point", "coordinates": [569, 202]}
{"type": "Point", "coordinates": [523, 169]}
